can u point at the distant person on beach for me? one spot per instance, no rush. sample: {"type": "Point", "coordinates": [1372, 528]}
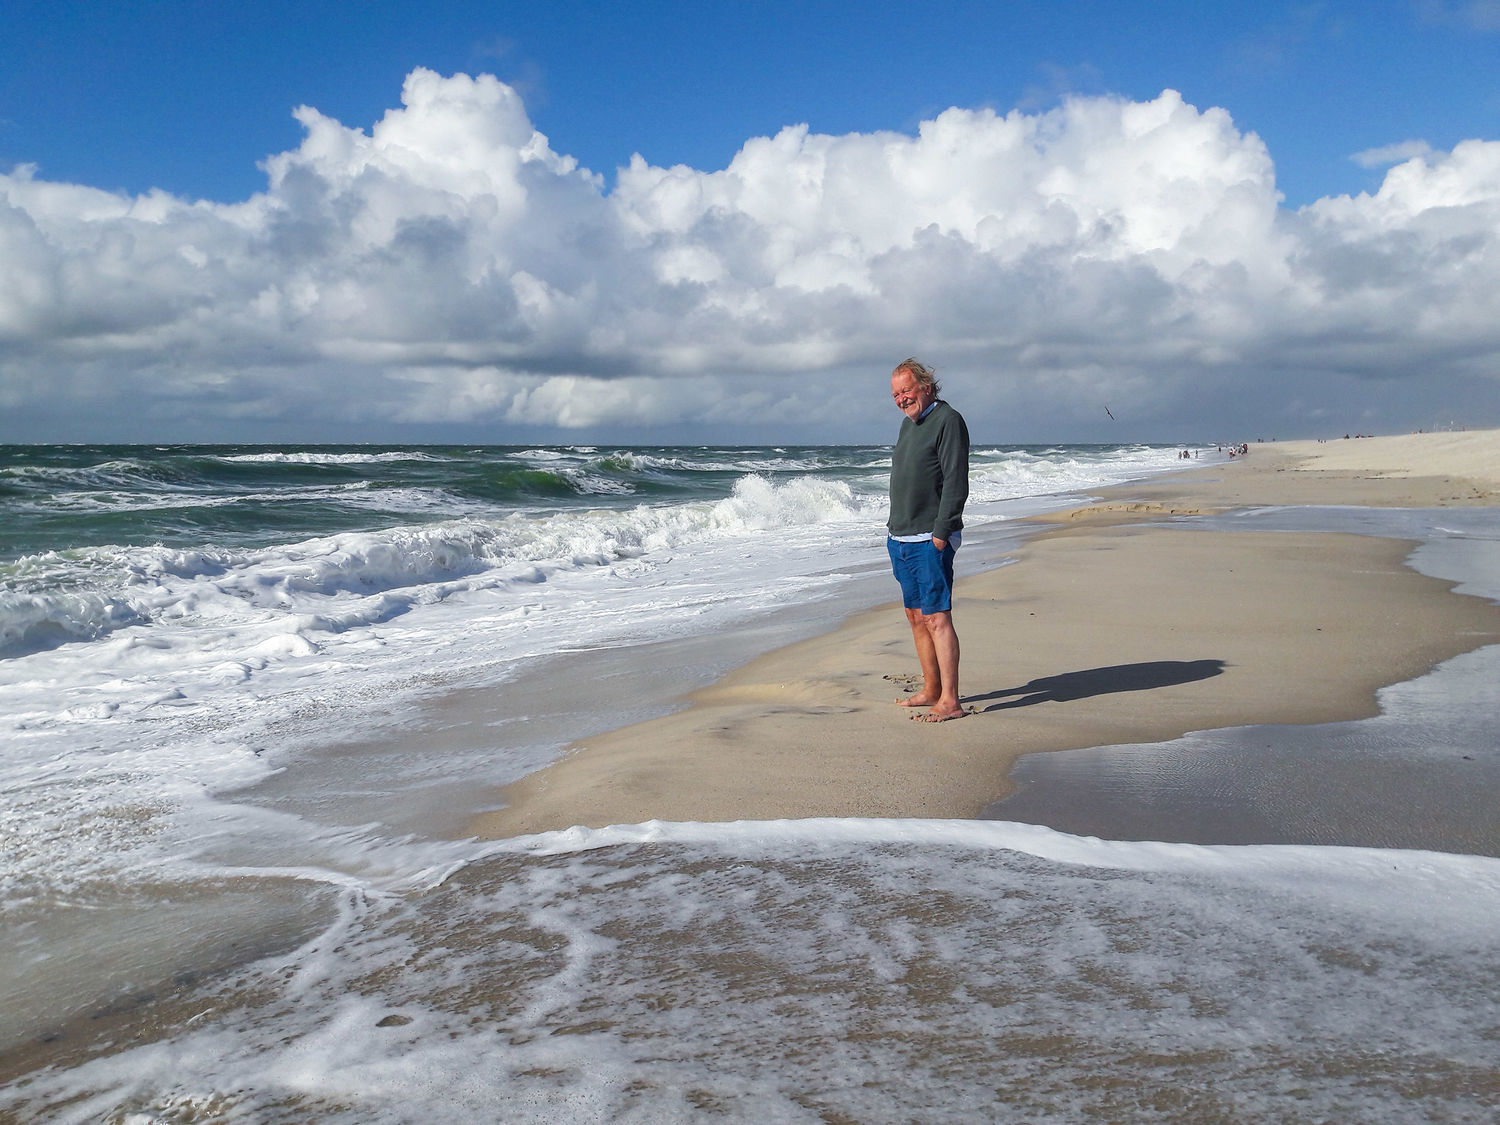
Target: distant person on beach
{"type": "Point", "coordinates": [929, 484]}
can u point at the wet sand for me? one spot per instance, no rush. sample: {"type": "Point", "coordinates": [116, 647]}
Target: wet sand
{"type": "Point", "coordinates": [1120, 622]}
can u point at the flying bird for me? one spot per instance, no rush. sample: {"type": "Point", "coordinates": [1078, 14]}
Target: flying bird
{"type": "Point", "coordinates": [1111, 416]}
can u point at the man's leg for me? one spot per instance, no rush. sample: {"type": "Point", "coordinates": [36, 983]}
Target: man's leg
{"type": "Point", "coordinates": [942, 644]}
{"type": "Point", "coordinates": [932, 675]}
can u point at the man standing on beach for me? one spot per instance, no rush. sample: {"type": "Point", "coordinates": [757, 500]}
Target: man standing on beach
{"type": "Point", "coordinates": [929, 484]}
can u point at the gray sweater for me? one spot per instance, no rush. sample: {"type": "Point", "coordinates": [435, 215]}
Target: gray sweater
{"type": "Point", "coordinates": [930, 474]}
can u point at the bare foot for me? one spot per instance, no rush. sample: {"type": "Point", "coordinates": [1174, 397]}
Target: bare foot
{"type": "Point", "coordinates": [936, 716]}
{"type": "Point", "coordinates": [918, 700]}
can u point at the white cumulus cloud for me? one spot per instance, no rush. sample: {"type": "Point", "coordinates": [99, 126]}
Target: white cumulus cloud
{"type": "Point", "coordinates": [449, 267]}
{"type": "Point", "coordinates": [1391, 154]}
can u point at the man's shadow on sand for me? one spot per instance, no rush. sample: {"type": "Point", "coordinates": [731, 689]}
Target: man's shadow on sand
{"type": "Point", "coordinates": [1101, 681]}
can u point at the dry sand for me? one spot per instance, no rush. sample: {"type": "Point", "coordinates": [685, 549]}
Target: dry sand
{"type": "Point", "coordinates": [1108, 628]}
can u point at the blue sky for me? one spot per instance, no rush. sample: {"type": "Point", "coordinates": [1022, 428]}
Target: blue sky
{"type": "Point", "coordinates": [193, 99]}
{"type": "Point", "coordinates": [190, 97]}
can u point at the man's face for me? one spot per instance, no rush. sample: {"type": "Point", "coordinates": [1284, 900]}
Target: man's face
{"type": "Point", "coordinates": [911, 397]}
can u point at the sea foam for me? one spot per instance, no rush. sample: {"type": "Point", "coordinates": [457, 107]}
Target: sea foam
{"type": "Point", "coordinates": [865, 970]}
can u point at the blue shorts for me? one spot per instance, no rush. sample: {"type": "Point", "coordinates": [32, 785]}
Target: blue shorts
{"type": "Point", "coordinates": [925, 574]}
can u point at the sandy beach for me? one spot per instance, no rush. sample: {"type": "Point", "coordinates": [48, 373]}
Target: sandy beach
{"type": "Point", "coordinates": [1120, 621]}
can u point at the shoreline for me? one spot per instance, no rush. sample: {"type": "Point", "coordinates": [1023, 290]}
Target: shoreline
{"type": "Point", "coordinates": [1109, 627]}
{"type": "Point", "coordinates": [1110, 618]}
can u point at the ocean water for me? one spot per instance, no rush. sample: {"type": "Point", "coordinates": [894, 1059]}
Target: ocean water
{"type": "Point", "coordinates": [249, 697]}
